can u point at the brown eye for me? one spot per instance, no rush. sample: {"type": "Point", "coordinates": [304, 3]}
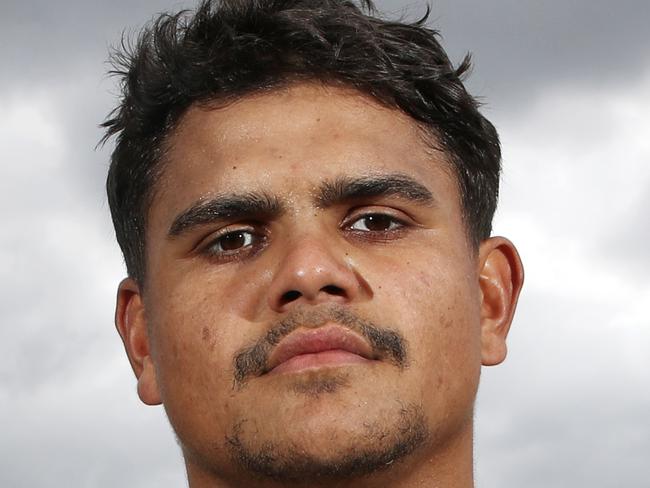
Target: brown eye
{"type": "Point", "coordinates": [376, 223]}
{"type": "Point", "coordinates": [232, 241]}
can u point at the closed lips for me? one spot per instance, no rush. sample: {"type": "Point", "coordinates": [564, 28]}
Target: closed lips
{"type": "Point", "coordinates": [330, 337]}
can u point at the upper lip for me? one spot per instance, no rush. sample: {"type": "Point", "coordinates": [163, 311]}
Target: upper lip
{"type": "Point", "coordinates": [325, 338]}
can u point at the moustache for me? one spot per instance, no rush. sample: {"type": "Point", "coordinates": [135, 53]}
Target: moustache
{"type": "Point", "coordinates": [386, 343]}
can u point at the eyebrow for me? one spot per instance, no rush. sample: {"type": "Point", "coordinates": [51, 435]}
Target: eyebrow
{"type": "Point", "coordinates": [243, 206]}
{"type": "Point", "coordinates": [344, 189]}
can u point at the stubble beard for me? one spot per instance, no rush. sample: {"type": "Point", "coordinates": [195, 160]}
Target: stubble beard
{"type": "Point", "coordinates": [353, 451]}
{"type": "Point", "coordinates": [375, 446]}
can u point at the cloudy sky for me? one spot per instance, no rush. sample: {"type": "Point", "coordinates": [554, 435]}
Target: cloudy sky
{"type": "Point", "coordinates": [568, 86]}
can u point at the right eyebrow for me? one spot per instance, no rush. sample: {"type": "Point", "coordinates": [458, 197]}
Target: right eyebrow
{"type": "Point", "coordinates": [252, 205]}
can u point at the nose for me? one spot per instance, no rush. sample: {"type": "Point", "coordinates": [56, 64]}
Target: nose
{"type": "Point", "coordinates": [313, 273]}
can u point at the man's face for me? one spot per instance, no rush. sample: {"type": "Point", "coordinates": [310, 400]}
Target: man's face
{"type": "Point", "coordinates": [311, 294]}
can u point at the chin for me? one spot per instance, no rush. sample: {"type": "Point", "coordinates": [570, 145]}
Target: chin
{"type": "Point", "coordinates": [328, 446]}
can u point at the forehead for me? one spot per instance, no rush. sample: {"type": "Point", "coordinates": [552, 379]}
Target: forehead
{"type": "Point", "coordinates": [289, 140]}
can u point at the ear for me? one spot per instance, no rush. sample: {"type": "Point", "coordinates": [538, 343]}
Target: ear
{"type": "Point", "coordinates": [501, 276]}
{"type": "Point", "coordinates": [131, 324]}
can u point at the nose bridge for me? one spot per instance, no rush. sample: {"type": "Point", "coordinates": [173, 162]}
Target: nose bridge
{"type": "Point", "coordinates": [313, 270]}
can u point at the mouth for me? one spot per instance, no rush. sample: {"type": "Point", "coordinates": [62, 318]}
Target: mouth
{"type": "Point", "coordinates": [328, 346]}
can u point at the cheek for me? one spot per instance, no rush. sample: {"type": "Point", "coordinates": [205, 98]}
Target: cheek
{"type": "Point", "coordinates": [203, 311]}
{"type": "Point", "coordinates": [195, 332]}
{"type": "Point", "coordinates": [196, 328]}
{"type": "Point", "coordinates": [435, 305]}
{"type": "Point", "coordinates": [200, 316]}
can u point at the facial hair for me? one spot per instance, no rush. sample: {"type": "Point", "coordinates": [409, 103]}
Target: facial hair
{"type": "Point", "coordinates": [378, 443]}
{"type": "Point", "coordinates": [386, 343]}
{"type": "Point", "coordinates": [381, 446]}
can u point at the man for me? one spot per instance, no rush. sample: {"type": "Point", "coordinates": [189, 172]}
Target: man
{"type": "Point", "coordinates": [303, 194]}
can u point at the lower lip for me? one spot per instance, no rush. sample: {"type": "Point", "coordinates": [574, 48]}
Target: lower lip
{"type": "Point", "coordinates": [334, 357]}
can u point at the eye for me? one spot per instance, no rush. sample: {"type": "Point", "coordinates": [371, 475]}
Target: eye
{"type": "Point", "coordinates": [233, 242]}
{"type": "Point", "coordinates": [376, 222]}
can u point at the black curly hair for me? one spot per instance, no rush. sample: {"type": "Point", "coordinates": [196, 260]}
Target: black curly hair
{"type": "Point", "coordinates": [226, 49]}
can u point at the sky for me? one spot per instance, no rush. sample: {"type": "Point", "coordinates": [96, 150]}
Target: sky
{"type": "Point", "coordinates": [567, 85]}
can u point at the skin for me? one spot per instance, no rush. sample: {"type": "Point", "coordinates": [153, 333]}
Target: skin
{"type": "Point", "coordinates": [418, 276]}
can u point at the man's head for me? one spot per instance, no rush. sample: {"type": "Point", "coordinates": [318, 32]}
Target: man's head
{"type": "Point", "coordinates": [235, 48]}
{"type": "Point", "coordinates": [304, 195]}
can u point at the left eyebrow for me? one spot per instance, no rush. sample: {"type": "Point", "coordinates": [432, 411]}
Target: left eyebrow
{"type": "Point", "coordinates": [344, 189]}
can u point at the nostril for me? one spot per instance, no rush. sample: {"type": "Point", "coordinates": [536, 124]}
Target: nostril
{"type": "Point", "coordinates": [290, 296]}
{"type": "Point", "coordinates": [293, 295]}
{"type": "Point", "coordinates": [333, 290]}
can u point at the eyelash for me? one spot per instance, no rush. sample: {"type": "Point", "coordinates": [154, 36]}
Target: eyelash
{"type": "Point", "coordinates": [257, 240]}
{"type": "Point", "coordinates": [395, 224]}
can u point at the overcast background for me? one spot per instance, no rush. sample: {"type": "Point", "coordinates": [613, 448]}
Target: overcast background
{"type": "Point", "coordinates": [568, 86]}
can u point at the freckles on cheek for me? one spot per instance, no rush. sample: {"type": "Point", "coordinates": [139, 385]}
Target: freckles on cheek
{"type": "Point", "coordinates": [196, 365]}
{"type": "Point", "coordinates": [207, 337]}
{"type": "Point", "coordinates": [442, 326]}
{"type": "Point", "coordinates": [188, 332]}
{"type": "Point", "coordinates": [425, 279]}
{"type": "Point", "coordinates": [199, 314]}
{"type": "Point", "coordinates": [236, 295]}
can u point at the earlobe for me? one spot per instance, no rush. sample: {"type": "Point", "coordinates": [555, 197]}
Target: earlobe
{"type": "Point", "coordinates": [501, 277]}
{"type": "Point", "coordinates": [131, 324]}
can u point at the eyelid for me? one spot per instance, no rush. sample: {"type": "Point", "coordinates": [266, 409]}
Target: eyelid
{"type": "Point", "coordinates": [203, 245]}
{"type": "Point", "coordinates": [360, 212]}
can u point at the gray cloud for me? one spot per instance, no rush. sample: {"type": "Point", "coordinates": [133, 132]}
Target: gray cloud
{"type": "Point", "coordinates": [560, 412]}
{"type": "Point", "coordinates": [626, 242]}
{"type": "Point", "coordinates": [519, 47]}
